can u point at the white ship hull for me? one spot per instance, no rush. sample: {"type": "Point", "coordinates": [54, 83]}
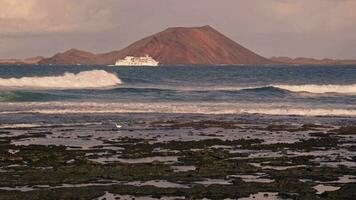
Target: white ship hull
{"type": "Point", "coordinates": [136, 64]}
{"type": "Point", "coordinates": [137, 61]}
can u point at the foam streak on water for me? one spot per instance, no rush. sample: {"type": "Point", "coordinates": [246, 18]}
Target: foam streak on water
{"type": "Point", "coordinates": [171, 107]}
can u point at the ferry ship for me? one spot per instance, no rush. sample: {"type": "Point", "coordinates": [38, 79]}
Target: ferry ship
{"type": "Point", "coordinates": [137, 61]}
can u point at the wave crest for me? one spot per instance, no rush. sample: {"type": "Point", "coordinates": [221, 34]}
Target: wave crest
{"type": "Point", "coordinates": [309, 88]}
{"type": "Point", "coordinates": [319, 89]}
{"type": "Point", "coordinates": [86, 79]}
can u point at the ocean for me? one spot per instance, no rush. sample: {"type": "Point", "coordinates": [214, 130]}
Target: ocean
{"type": "Point", "coordinates": [266, 90]}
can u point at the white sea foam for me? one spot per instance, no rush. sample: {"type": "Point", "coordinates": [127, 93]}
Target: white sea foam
{"type": "Point", "coordinates": [319, 89]}
{"type": "Point", "coordinates": [174, 107]}
{"type": "Point", "coordinates": [86, 79]}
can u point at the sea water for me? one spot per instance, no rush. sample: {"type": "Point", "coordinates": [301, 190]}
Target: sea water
{"type": "Point", "coordinates": [244, 89]}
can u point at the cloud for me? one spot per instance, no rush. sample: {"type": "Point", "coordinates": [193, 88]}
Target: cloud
{"type": "Point", "coordinates": [44, 16]}
{"type": "Point", "coordinates": [284, 8]}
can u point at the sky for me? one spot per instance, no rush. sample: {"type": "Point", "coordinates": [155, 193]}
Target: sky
{"type": "Point", "coordinates": [295, 28]}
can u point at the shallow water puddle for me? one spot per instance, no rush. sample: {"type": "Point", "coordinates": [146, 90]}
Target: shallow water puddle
{"type": "Point", "coordinates": [183, 168]}
{"type": "Point", "coordinates": [346, 179]}
{"type": "Point", "coordinates": [110, 159]}
{"type": "Point", "coordinates": [320, 189]}
{"type": "Point", "coordinates": [275, 167]}
{"type": "Point", "coordinates": [209, 181]}
{"type": "Point", "coordinates": [164, 159]}
{"type": "Point", "coordinates": [111, 196]}
{"type": "Point", "coordinates": [39, 187]}
{"type": "Point", "coordinates": [258, 178]}
{"type": "Point", "coordinates": [262, 196]}
{"type": "Point", "coordinates": [157, 183]}
{"type": "Point", "coordinates": [342, 180]}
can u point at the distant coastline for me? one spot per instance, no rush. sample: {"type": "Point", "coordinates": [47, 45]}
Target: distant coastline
{"type": "Point", "coordinates": [293, 62]}
{"type": "Point", "coordinates": [313, 61]}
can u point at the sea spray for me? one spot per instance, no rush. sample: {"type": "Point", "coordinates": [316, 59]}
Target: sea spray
{"type": "Point", "coordinates": [82, 80]}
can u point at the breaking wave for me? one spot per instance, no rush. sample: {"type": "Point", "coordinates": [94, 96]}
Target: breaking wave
{"type": "Point", "coordinates": [82, 80]}
{"type": "Point", "coordinates": [319, 89]}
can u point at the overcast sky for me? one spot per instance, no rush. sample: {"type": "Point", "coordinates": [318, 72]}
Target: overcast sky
{"type": "Point", "coordinates": [308, 28]}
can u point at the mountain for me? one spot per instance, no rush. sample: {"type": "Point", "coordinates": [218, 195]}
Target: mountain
{"type": "Point", "coordinates": [180, 45]}
{"type": "Point", "coordinates": [197, 45]}
{"type": "Point", "coordinates": [33, 60]}
{"type": "Point", "coordinates": [312, 61]}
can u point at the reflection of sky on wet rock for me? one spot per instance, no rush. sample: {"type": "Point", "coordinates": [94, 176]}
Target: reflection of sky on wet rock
{"type": "Point", "coordinates": [84, 135]}
{"type": "Point", "coordinates": [98, 135]}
